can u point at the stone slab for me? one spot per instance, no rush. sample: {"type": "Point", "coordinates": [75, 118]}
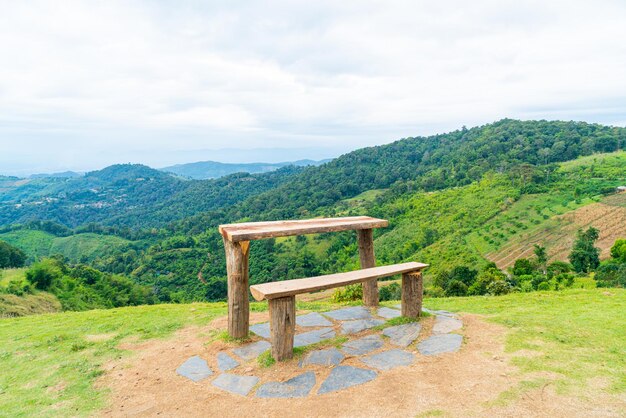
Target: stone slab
{"type": "Point", "coordinates": [388, 360]}
{"type": "Point", "coordinates": [262, 330]}
{"type": "Point", "coordinates": [253, 350]}
{"type": "Point", "coordinates": [240, 385]}
{"type": "Point", "coordinates": [312, 319]}
{"type": "Point", "coordinates": [403, 335]}
{"type": "Point", "coordinates": [348, 314]}
{"type": "Point", "coordinates": [439, 344]}
{"type": "Point", "coordinates": [195, 368]}
{"type": "Point", "coordinates": [313, 337]}
{"type": "Point", "coordinates": [363, 345]}
{"type": "Point", "coordinates": [226, 362]}
{"type": "Point", "coordinates": [388, 313]}
{"type": "Point", "coordinates": [296, 387]}
{"type": "Point", "coordinates": [445, 324]}
{"type": "Point", "coordinates": [327, 357]}
{"type": "Point", "coordinates": [343, 377]}
{"type": "Point", "coordinates": [352, 327]}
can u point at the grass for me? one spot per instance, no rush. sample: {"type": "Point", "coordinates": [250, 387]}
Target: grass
{"type": "Point", "coordinates": [40, 354]}
{"type": "Point", "coordinates": [577, 334]}
{"type": "Point", "coordinates": [49, 364]}
{"type": "Point", "coordinates": [8, 275]}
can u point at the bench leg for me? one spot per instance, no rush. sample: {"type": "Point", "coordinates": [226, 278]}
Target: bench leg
{"type": "Point", "coordinates": [366, 256]}
{"type": "Point", "coordinates": [282, 326]}
{"type": "Point", "coordinates": [412, 291]}
{"type": "Point", "coordinates": [238, 300]}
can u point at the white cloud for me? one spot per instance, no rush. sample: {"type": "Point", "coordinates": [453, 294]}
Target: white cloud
{"type": "Point", "coordinates": [83, 84]}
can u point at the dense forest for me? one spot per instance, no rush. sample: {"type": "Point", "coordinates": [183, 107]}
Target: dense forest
{"type": "Point", "coordinates": [451, 199]}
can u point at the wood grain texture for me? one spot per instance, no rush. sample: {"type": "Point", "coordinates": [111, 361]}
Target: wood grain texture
{"type": "Point", "coordinates": [412, 291]}
{"type": "Point", "coordinates": [238, 301]}
{"type": "Point", "coordinates": [365, 238]}
{"type": "Point", "coordinates": [259, 230]}
{"type": "Point", "coordinates": [282, 327]}
{"type": "Point", "coordinates": [295, 287]}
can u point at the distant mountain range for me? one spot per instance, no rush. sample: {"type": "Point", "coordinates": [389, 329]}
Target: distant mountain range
{"type": "Point", "coordinates": [203, 170]}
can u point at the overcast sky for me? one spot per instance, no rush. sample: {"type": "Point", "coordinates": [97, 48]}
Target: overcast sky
{"type": "Point", "coordinates": [89, 83]}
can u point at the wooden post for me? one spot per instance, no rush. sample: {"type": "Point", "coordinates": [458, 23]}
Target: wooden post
{"type": "Point", "coordinates": [412, 290]}
{"type": "Point", "coordinates": [282, 326]}
{"type": "Point", "coordinates": [238, 301]}
{"type": "Point", "coordinates": [366, 255]}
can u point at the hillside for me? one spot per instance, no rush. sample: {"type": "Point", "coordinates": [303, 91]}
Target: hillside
{"type": "Point", "coordinates": [203, 170]}
{"type": "Point", "coordinates": [455, 199]}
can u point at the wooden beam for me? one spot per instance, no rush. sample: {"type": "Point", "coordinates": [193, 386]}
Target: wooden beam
{"type": "Point", "coordinates": [412, 291]}
{"type": "Point", "coordinates": [237, 257]}
{"type": "Point", "coordinates": [365, 238]}
{"type": "Point", "coordinates": [284, 288]}
{"type": "Point", "coordinates": [258, 230]}
{"type": "Point", "coordinates": [282, 326]}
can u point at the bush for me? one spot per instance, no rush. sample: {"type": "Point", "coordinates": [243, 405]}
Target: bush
{"type": "Point", "coordinates": [347, 294]}
{"type": "Point", "coordinates": [434, 292]}
{"type": "Point", "coordinates": [543, 286]}
{"type": "Point", "coordinates": [43, 273]}
{"type": "Point", "coordinates": [498, 287]}
{"type": "Point", "coordinates": [611, 274]}
{"type": "Point", "coordinates": [456, 288]}
{"type": "Point", "coordinates": [392, 291]}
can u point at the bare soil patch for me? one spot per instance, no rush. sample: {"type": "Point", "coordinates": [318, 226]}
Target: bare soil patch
{"type": "Point", "coordinates": [466, 383]}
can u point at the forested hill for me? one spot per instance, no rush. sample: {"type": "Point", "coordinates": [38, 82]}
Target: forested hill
{"type": "Point", "coordinates": [130, 196]}
{"type": "Point", "coordinates": [456, 199]}
{"type": "Point", "coordinates": [425, 163]}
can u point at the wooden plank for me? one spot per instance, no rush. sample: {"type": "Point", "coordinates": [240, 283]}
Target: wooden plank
{"type": "Point", "coordinates": [282, 327]}
{"type": "Point", "coordinates": [295, 287]}
{"type": "Point", "coordinates": [258, 230]}
{"type": "Point", "coordinates": [366, 257]}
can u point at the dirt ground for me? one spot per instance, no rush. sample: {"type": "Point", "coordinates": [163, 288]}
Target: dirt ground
{"type": "Point", "coordinates": [466, 383]}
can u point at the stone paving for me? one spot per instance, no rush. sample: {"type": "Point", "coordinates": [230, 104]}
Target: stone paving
{"type": "Point", "coordinates": [373, 349]}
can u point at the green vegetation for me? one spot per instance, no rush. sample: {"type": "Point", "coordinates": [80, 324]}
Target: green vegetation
{"type": "Point", "coordinates": [10, 256]}
{"type": "Point", "coordinates": [50, 362]}
{"type": "Point", "coordinates": [53, 360]}
{"type": "Point", "coordinates": [456, 199]}
{"type": "Point", "coordinates": [576, 334]}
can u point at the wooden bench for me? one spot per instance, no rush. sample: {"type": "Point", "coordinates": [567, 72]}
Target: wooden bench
{"type": "Point", "coordinates": [282, 300]}
{"type": "Point", "coordinates": [237, 239]}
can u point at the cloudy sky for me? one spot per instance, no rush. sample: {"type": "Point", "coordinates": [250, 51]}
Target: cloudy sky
{"type": "Point", "coordinates": [88, 83]}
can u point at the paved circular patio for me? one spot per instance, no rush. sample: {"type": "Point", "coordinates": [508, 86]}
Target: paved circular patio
{"type": "Point", "coordinates": [378, 348]}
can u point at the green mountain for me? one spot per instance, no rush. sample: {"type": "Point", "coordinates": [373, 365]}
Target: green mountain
{"type": "Point", "coordinates": [455, 199]}
{"type": "Point", "coordinates": [203, 170]}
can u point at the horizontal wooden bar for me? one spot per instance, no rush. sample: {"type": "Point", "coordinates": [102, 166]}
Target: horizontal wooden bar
{"type": "Point", "coordinates": [258, 230]}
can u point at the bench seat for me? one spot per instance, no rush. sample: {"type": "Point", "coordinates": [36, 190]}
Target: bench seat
{"type": "Point", "coordinates": [285, 288]}
{"type": "Point", "coordinates": [282, 298]}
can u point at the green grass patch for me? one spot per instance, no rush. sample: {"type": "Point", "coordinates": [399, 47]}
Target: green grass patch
{"type": "Point", "coordinates": [43, 351]}
{"type": "Point", "coordinates": [579, 333]}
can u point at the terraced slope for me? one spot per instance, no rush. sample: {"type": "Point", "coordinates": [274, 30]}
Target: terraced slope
{"type": "Point", "coordinates": [558, 232]}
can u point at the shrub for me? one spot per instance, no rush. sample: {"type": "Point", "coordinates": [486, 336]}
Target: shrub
{"type": "Point", "coordinates": [43, 273]}
{"type": "Point", "coordinates": [543, 286]}
{"type": "Point", "coordinates": [611, 274]}
{"type": "Point", "coordinates": [498, 287]}
{"type": "Point", "coordinates": [456, 288]}
{"type": "Point", "coordinates": [392, 291]}
{"type": "Point", "coordinates": [434, 292]}
{"type": "Point", "coordinates": [348, 293]}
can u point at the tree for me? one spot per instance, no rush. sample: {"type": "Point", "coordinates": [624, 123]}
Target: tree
{"type": "Point", "coordinates": [618, 250]}
{"type": "Point", "coordinates": [584, 256]}
{"type": "Point", "coordinates": [43, 273]}
{"type": "Point", "coordinates": [523, 266]}
{"type": "Point", "coordinates": [542, 257]}
{"type": "Point", "coordinates": [10, 256]}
